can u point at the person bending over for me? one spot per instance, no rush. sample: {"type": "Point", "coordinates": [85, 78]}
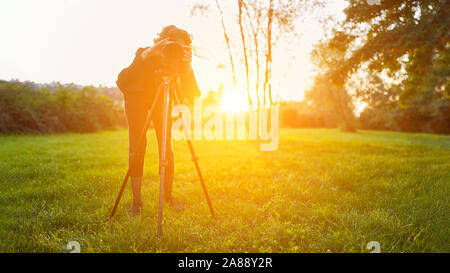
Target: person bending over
{"type": "Point", "coordinates": [139, 83]}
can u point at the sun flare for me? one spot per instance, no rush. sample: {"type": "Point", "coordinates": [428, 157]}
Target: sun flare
{"type": "Point", "coordinates": [233, 103]}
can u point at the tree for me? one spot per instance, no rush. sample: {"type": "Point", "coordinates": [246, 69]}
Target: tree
{"type": "Point", "coordinates": [261, 25]}
{"type": "Point", "coordinates": [408, 39]}
{"type": "Point", "coordinates": [254, 14]}
{"type": "Point", "coordinates": [327, 95]}
{"type": "Point", "coordinates": [332, 102]}
{"type": "Point", "coordinates": [267, 74]}
{"type": "Point", "coordinates": [244, 48]}
{"type": "Point", "coordinates": [225, 34]}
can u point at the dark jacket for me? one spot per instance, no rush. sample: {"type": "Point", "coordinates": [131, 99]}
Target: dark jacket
{"type": "Point", "coordinates": [140, 78]}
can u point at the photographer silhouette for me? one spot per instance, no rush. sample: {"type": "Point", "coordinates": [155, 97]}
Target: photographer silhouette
{"type": "Point", "coordinates": [171, 53]}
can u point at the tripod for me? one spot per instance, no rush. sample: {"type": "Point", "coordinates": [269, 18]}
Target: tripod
{"type": "Point", "coordinates": [168, 88]}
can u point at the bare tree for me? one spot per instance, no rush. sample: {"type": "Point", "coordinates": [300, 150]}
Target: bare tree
{"type": "Point", "coordinates": [255, 31]}
{"type": "Point", "coordinates": [269, 53]}
{"type": "Point", "coordinates": [262, 24]}
{"type": "Point", "coordinates": [244, 49]}
{"type": "Point", "coordinates": [227, 39]}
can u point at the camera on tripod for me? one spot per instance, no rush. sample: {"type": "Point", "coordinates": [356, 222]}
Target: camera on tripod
{"type": "Point", "coordinates": [174, 62]}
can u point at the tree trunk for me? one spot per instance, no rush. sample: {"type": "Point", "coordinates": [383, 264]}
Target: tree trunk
{"type": "Point", "coordinates": [227, 39]}
{"type": "Point", "coordinates": [269, 52]}
{"type": "Point", "coordinates": [244, 48]}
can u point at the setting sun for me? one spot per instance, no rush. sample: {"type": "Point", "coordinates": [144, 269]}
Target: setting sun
{"type": "Point", "coordinates": [234, 103]}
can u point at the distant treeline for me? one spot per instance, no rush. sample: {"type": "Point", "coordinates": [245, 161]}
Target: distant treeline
{"type": "Point", "coordinates": [27, 107]}
{"type": "Point", "coordinates": [426, 118]}
{"type": "Point", "coordinates": [382, 111]}
{"type": "Point", "coordinates": [431, 117]}
{"type": "Point", "coordinates": [31, 108]}
{"type": "Point", "coordinates": [299, 114]}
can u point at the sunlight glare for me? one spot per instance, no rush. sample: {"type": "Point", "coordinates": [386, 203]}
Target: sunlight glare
{"type": "Point", "coordinates": [234, 103]}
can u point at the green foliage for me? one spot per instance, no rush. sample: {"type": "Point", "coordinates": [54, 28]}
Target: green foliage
{"type": "Point", "coordinates": [409, 39]}
{"type": "Point", "coordinates": [406, 43]}
{"type": "Point", "coordinates": [332, 102]}
{"type": "Point", "coordinates": [426, 112]}
{"type": "Point", "coordinates": [322, 191]}
{"type": "Point", "coordinates": [295, 114]}
{"type": "Point", "coordinates": [417, 117]}
{"type": "Point", "coordinates": [26, 108]}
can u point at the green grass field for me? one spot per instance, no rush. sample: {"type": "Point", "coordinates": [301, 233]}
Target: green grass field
{"type": "Point", "coordinates": [322, 191]}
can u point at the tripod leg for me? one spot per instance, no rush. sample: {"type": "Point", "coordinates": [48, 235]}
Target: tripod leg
{"type": "Point", "coordinates": [197, 166]}
{"type": "Point", "coordinates": [144, 131]}
{"type": "Point", "coordinates": [119, 196]}
{"type": "Point", "coordinates": [163, 156]}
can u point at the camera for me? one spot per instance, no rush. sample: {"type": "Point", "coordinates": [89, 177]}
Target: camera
{"type": "Point", "coordinates": [173, 54]}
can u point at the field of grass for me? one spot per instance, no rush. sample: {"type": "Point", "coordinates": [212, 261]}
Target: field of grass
{"type": "Point", "coordinates": [322, 191]}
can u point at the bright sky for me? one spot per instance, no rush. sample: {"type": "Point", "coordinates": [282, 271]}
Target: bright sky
{"type": "Point", "coordinates": [90, 41]}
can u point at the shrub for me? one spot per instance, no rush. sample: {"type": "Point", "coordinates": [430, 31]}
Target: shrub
{"type": "Point", "coordinates": [29, 108]}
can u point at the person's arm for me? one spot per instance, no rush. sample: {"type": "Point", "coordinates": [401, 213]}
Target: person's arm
{"type": "Point", "coordinates": [189, 85]}
{"type": "Point", "coordinates": [153, 51]}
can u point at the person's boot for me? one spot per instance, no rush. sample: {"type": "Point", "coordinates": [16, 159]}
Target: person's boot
{"type": "Point", "coordinates": [135, 209]}
{"type": "Point", "coordinates": [175, 205]}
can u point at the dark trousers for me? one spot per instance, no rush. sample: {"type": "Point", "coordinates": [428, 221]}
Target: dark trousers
{"type": "Point", "coordinates": [136, 109]}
